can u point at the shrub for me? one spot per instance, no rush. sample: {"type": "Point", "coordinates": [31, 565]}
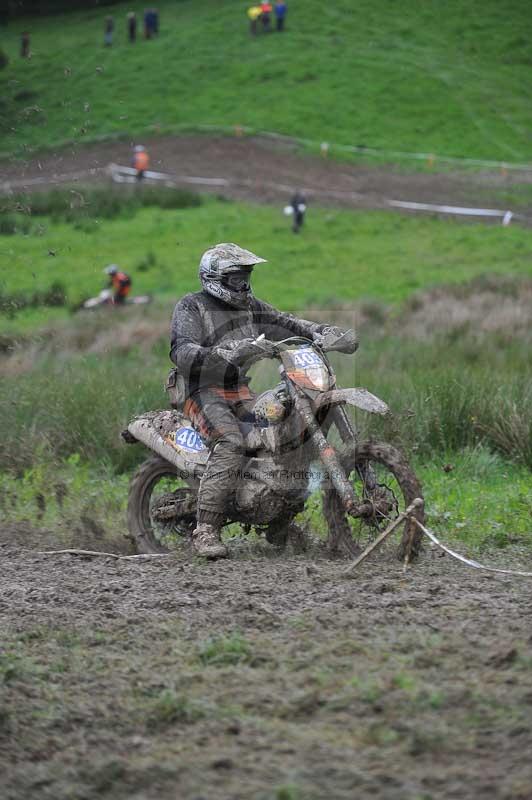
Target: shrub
{"type": "Point", "coordinates": [89, 203]}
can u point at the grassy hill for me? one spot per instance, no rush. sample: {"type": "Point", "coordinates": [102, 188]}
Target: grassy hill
{"type": "Point", "coordinates": [340, 258]}
{"type": "Point", "coordinates": [453, 79]}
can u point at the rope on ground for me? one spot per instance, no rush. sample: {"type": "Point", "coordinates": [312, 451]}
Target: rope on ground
{"type": "Point", "coordinates": [128, 175]}
{"type": "Point", "coordinates": [470, 562]}
{"type": "Point", "coordinates": [99, 554]}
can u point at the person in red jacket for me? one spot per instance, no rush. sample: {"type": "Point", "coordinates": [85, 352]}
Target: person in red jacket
{"type": "Point", "coordinates": [120, 282]}
{"type": "Point", "coordinates": [266, 9]}
{"type": "Point", "coordinates": [141, 161]}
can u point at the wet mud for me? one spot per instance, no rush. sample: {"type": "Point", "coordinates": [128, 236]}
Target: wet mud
{"type": "Point", "coordinates": [268, 675]}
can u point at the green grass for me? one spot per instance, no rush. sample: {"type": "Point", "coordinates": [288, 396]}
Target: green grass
{"type": "Point", "coordinates": [343, 256]}
{"type": "Point", "coordinates": [451, 80]}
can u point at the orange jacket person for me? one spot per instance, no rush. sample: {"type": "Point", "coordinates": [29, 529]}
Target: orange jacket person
{"type": "Point", "coordinates": [141, 161]}
{"type": "Point", "coordinates": [120, 282]}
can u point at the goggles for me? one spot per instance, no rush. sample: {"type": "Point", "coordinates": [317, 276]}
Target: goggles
{"type": "Point", "coordinates": [238, 281]}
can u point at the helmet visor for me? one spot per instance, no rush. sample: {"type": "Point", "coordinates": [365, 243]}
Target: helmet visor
{"type": "Point", "coordinates": [238, 281]}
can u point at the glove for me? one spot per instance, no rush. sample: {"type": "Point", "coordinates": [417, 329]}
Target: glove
{"type": "Point", "coordinates": [239, 352]}
{"type": "Point", "coordinates": [333, 338]}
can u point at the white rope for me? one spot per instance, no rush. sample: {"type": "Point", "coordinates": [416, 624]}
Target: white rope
{"type": "Point", "coordinates": [469, 561]}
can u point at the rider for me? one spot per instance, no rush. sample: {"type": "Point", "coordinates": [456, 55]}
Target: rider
{"type": "Point", "coordinates": [212, 339]}
{"type": "Point", "coordinates": [120, 282]}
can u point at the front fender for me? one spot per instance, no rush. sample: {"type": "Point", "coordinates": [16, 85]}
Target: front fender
{"type": "Point", "coordinates": [360, 398]}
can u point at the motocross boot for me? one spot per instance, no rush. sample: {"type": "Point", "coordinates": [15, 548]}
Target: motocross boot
{"type": "Point", "coordinates": [207, 542]}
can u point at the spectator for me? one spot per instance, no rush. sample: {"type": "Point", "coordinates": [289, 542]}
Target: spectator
{"type": "Point", "coordinates": [108, 31]}
{"type": "Point", "coordinates": [25, 45]}
{"type": "Point", "coordinates": [147, 23]}
{"type": "Point", "coordinates": [254, 13]}
{"type": "Point", "coordinates": [132, 26]}
{"type": "Point", "coordinates": [299, 207]}
{"type": "Point", "coordinates": [280, 14]}
{"type": "Point", "coordinates": [266, 9]}
{"type": "Point", "coordinates": [141, 161]}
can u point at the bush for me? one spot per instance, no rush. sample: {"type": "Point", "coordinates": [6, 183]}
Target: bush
{"type": "Point", "coordinates": [11, 224]}
{"type": "Point", "coordinates": [76, 205]}
{"type": "Point", "coordinates": [54, 296]}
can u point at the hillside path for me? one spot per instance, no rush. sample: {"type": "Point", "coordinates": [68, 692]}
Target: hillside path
{"type": "Point", "coordinates": [265, 171]}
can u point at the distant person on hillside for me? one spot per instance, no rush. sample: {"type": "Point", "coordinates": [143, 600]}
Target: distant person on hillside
{"type": "Point", "coordinates": [119, 282]}
{"type": "Point", "coordinates": [25, 45]}
{"type": "Point", "coordinates": [151, 23]}
{"type": "Point", "coordinates": [147, 23]}
{"type": "Point", "coordinates": [108, 31]}
{"type": "Point", "coordinates": [280, 14]}
{"type": "Point", "coordinates": [254, 13]}
{"type": "Point", "coordinates": [141, 161]}
{"type": "Point", "coordinates": [132, 26]}
{"type": "Point", "coordinates": [299, 206]}
{"type": "Point", "coordinates": [266, 9]}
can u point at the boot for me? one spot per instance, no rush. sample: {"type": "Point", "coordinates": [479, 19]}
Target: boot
{"type": "Point", "coordinates": [207, 542]}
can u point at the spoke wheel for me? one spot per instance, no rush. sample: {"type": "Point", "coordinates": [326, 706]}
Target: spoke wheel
{"type": "Point", "coordinates": [161, 507]}
{"type": "Point", "coordinates": [381, 475]}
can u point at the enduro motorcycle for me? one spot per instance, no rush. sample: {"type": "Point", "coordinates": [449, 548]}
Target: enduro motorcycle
{"type": "Point", "coordinates": [105, 298]}
{"type": "Point", "coordinates": [364, 485]}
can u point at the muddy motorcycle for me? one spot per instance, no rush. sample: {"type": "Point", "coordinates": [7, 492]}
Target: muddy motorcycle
{"type": "Point", "coordinates": [289, 433]}
{"type": "Point", "coordinates": [105, 299]}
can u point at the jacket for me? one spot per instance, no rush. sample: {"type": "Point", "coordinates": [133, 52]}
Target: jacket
{"type": "Point", "coordinates": [200, 322]}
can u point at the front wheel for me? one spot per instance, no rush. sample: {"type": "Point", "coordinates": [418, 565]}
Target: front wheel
{"type": "Point", "coordinates": [381, 474]}
{"type": "Point", "coordinates": [161, 507]}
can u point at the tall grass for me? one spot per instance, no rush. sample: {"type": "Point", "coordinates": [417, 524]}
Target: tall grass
{"type": "Point", "coordinates": [447, 395]}
{"type": "Point", "coordinates": [441, 402]}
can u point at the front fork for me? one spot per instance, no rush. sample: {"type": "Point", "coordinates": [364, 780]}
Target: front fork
{"type": "Point", "coordinates": [348, 435]}
{"type": "Point", "coordinates": [329, 459]}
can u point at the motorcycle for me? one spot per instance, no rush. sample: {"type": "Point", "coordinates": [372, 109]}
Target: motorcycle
{"type": "Point", "coordinates": [365, 485]}
{"type": "Point", "coordinates": [105, 298]}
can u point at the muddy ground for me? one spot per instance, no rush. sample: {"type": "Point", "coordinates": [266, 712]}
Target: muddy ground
{"type": "Point", "coordinates": [265, 170]}
{"type": "Point", "coordinates": [266, 676]}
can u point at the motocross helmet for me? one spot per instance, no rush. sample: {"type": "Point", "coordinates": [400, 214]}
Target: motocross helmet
{"type": "Point", "coordinates": [225, 273]}
{"type": "Point", "coordinates": [112, 269]}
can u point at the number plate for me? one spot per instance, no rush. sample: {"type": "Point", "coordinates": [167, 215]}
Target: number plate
{"type": "Point", "coordinates": [187, 439]}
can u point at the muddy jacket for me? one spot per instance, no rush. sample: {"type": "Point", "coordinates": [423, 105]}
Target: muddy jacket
{"type": "Point", "coordinates": [201, 322]}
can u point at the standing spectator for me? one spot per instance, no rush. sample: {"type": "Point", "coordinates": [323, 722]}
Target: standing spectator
{"type": "Point", "coordinates": [132, 26]}
{"type": "Point", "coordinates": [25, 45]}
{"type": "Point", "coordinates": [254, 13]}
{"type": "Point", "coordinates": [155, 21]}
{"type": "Point", "coordinates": [147, 23]}
{"type": "Point", "coordinates": [266, 9]}
{"type": "Point", "coordinates": [299, 206]}
{"type": "Point", "coordinates": [141, 161]}
{"type": "Point", "coordinates": [108, 31]}
{"type": "Point", "coordinates": [280, 14]}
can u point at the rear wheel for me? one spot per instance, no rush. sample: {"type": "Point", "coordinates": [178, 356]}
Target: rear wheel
{"type": "Point", "coordinates": [161, 507]}
{"type": "Point", "coordinates": [381, 474]}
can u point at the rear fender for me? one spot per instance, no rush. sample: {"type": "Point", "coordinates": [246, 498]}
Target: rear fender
{"type": "Point", "coordinates": [170, 434]}
{"type": "Point", "coordinates": [360, 398]}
